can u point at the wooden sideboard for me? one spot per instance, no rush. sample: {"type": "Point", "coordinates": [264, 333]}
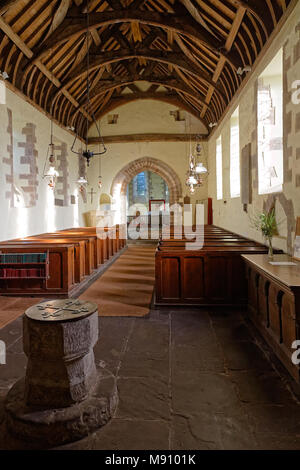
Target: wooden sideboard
{"type": "Point", "coordinates": [274, 304]}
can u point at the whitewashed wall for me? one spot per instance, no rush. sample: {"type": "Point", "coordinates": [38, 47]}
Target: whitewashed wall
{"type": "Point", "coordinates": [145, 117]}
{"type": "Point", "coordinates": [228, 213]}
{"type": "Point", "coordinates": [32, 216]}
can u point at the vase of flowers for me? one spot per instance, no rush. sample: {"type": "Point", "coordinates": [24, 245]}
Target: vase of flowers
{"type": "Point", "coordinates": [265, 222]}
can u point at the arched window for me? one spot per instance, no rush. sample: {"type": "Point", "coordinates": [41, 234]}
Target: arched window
{"type": "Point", "coordinates": [141, 184]}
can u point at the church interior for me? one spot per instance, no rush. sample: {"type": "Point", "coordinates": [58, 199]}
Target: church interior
{"type": "Point", "coordinates": [150, 246]}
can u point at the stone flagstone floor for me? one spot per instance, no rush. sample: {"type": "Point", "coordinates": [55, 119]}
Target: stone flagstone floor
{"type": "Point", "coordinates": [187, 379]}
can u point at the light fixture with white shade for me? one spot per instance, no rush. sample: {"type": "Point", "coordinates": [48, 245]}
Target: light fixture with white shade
{"type": "Point", "coordinates": [4, 75]}
{"type": "Point", "coordinates": [50, 173]}
{"type": "Point", "coordinates": [246, 69]}
{"type": "Point", "coordinates": [82, 183]}
{"type": "Point", "coordinates": [197, 170]}
{"type": "Point", "coordinates": [200, 169]}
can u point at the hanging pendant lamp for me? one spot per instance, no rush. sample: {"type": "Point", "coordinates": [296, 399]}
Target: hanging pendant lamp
{"type": "Point", "coordinates": [50, 173]}
{"type": "Point", "coordinates": [87, 153]}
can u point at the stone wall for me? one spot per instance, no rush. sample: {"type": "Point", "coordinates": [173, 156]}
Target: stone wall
{"type": "Point", "coordinates": [229, 213]}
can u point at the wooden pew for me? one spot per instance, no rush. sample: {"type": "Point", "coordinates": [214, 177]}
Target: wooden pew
{"type": "Point", "coordinates": [109, 244]}
{"type": "Point", "coordinates": [79, 252]}
{"type": "Point", "coordinates": [60, 276]}
{"type": "Point", "coordinates": [90, 260]}
{"type": "Point", "coordinates": [98, 243]}
{"type": "Point", "coordinates": [184, 234]}
{"type": "Point", "coordinates": [102, 243]}
{"type": "Point", "coordinates": [212, 274]}
{"type": "Point", "coordinates": [197, 247]}
{"type": "Point", "coordinates": [205, 240]}
{"type": "Point", "coordinates": [86, 252]}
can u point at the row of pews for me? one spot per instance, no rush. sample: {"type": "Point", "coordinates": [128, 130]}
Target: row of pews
{"type": "Point", "coordinates": [57, 264]}
{"type": "Point", "coordinates": [212, 274]}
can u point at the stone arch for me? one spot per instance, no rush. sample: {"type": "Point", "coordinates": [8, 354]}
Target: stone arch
{"type": "Point", "coordinates": [121, 180]}
{"type": "Point", "coordinates": [129, 171]}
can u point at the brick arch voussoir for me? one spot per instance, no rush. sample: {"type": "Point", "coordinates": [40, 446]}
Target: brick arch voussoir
{"type": "Point", "coordinates": [125, 175]}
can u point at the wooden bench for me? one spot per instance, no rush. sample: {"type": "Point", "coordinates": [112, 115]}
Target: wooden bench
{"type": "Point", "coordinates": [61, 275]}
{"type": "Point", "coordinates": [79, 253]}
{"type": "Point", "coordinates": [98, 243]}
{"type": "Point", "coordinates": [210, 275]}
{"type": "Point", "coordinates": [109, 239]}
{"type": "Point", "coordinates": [103, 251]}
{"type": "Point", "coordinates": [87, 252]}
{"type": "Point", "coordinates": [90, 263]}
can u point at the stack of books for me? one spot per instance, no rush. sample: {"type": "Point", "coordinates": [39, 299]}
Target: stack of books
{"type": "Point", "coordinates": [11, 273]}
{"type": "Point", "coordinates": [22, 258]}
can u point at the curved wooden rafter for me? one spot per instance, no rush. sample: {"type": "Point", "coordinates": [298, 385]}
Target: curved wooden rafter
{"type": "Point", "coordinates": [191, 47]}
{"type": "Point", "coordinates": [257, 10]}
{"type": "Point", "coordinates": [172, 84]}
{"type": "Point", "coordinates": [6, 4]}
{"type": "Point", "coordinates": [168, 83]}
{"type": "Point", "coordinates": [166, 57]}
{"type": "Point", "coordinates": [76, 25]}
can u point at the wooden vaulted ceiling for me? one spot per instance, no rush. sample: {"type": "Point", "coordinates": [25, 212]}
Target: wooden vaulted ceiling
{"type": "Point", "coordinates": [188, 52]}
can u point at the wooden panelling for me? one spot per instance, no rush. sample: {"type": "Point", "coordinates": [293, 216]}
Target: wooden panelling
{"type": "Point", "coordinates": [193, 287]}
{"type": "Point", "coordinates": [56, 274]}
{"type": "Point", "coordinates": [170, 278]}
{"type": "Point", "coordinates": [277, 313]}
{"type": "Point", "coordinates": [212, 274]}
{"type": "Point", "coordinates": [263, 301]}
{"type": "Point", "coordinates": [217, 277]}
{"type": "Point", "coordinates": [289, 332]}
{"type": "Point", "coordinates": [274, 310]}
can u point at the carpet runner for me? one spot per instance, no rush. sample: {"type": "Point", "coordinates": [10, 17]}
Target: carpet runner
{"type": "Point", "coordinates": [126, 288]}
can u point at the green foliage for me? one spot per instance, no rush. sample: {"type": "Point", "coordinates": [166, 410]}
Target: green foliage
{"type": "Point", "coordinates": [266, 223]}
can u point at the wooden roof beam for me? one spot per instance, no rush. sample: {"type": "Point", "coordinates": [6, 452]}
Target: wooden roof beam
{"type": "Point", "coordinates": [6, 5]}
{"type": "Point", "coordinates": [258, 10]}
{"type": "Point", "coordinates": [29, 54]}
{"type": "Point", "coordinates": [75, 25]}
{"type": "Point", "coordinates": [195, 13]}
{"type": "Point", "coordinates": [172, 58]}
{"type": "Point", "coordinates": [125, 139]}
{"type": "Point", "coordinates": [168, 82]}
{"type": "Point", "coordinates": [229, 43]}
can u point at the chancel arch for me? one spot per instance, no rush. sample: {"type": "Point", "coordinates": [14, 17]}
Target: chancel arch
{"type": "Point", "coordinates": [128, 172]}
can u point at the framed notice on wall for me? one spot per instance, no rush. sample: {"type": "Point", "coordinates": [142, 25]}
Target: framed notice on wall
{"type": "Point", "coordinates": [297, 240]}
